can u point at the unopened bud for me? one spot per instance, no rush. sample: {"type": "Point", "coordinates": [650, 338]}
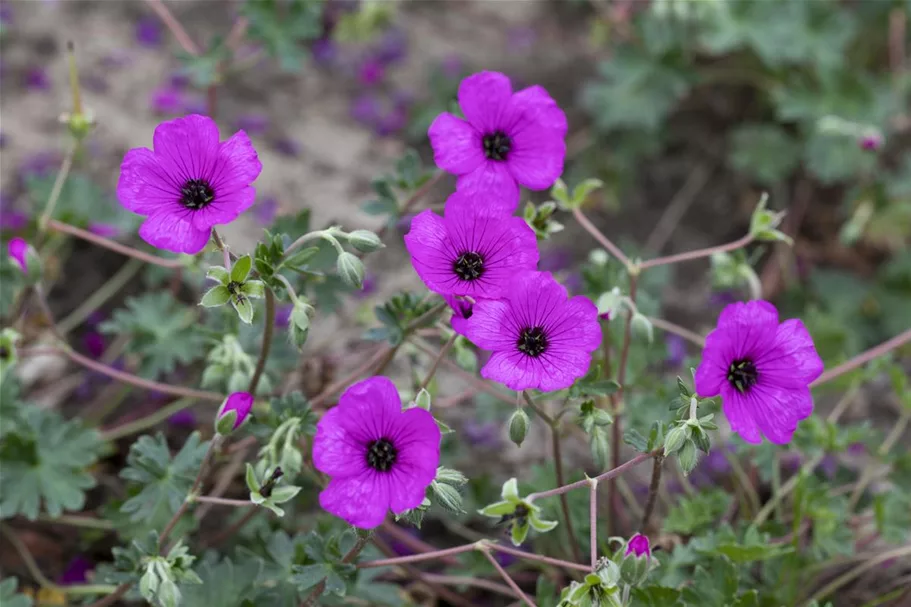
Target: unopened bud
{"type": "Point", "coordinates": [26, 257]}
{"type": "Point", "coordinates": [642, 327]}
{"type": "Point", "coordinates": [635, 565]}
{"type": "Point", "coordinates": [365, 241]}
{"type": "Point", "coordinates": [518, 426]}
{"type": "Point", "coordinates": [351, 269]}
{"type": "Point", "coordinates": [674, 440]}
{"type": "Point", "coordinates": [233, 412]}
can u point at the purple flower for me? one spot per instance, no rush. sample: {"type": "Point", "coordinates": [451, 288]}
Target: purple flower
{"type": "Point", "coordinates": [17, 249]}
{"type": "Point", "coordinates": [323, 51]}
{"type": "Point", "coordinates": [392, 48]}
{"type": "Point", "coordinates": [762, 369]}
{"type": "Point", "coordinates": [94, 344]}
{"type": "Point", "coordinates": [36, 79]}
{"type": "Point", "coordinates": [380, 458]}
{"type": "Point", "coordinates": [189, 183]}
{"type": "Point", "coordinates": [461, 308]}
{"type": "Point", "coordinates": [254, 124]}
{"type": "Point", "coordinates": [105, 230]}
{"type": "Point", "coordinates": [167, 100]}
{"type": "Point", "coordinates": [183, 419]}
{"type": "Point", "coordinates": [452, 66]}
{"type": "Point", "coordinates": [287, 147]}
{"type": "Point", "coordinates": [179, 80]}
{"type": "Point", "coordinates": [483, 434]}
{"type": "Point", "coordinates": [366, 109]}
{"type": "Point", "coordinates": [239, 402]}
{"type": "Point", "coordinates": [509, 139]}
{"type": "Point", "coordinates": [676, 350]}
{"type": "Point", "coordinates": [370, 72]}
{"type": "Point", "coordinates": [148, 32]}
{"type": "Point", "coordinates": [639, 546]}
{"type": "Point", "coordinates": [76, 571]}
{"type": "Point", "coordinates": [871, 141]}
{"type": "Point", "coordinates": [857, 449]}
{"type": "Point", "coordinates": [723, 298]}
{"type": "Point", "coordinates": [368, 286]}
{"type": "Point", "coordinates": [283, 315]}
{"type": "Point", "coordinates": [264, 211]}
{"type": "Point", "coordinates": [468, 252]}
{"type": "Point", "coordinates": [539, 339]}
{"type": "Point", "coordinates": [11, 219]}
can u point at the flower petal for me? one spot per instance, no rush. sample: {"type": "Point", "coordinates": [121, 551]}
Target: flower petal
{"type": "Point", "coordinates": [483, 97]}
{"type": "Point", "coordinates": [492, 185]}
{"type": "Point", "coordinates": [225, 208]}
{"type": "Point", "coordinates": [335, 451]}
{"type": "Point", "coordinates": [174, 231]}
{"type": "Point", "coordinates": [428, 244]}
{"type": "Point", "coordinates": [792, 360]}
{"type": "Point", "coordinates": [485, 327]}
{"type": "Point", "coordinates": [457, 147]}
{"type": "Point", "coordinates": [739, 414]}
{"type": "Point", "coordinates": [370, 408]}
{"type": "Point", "coordinates": [187, 147]}
{"type": "Point", "coordinates": [417, 439]}
{"type": "Point", "coordinates": [362, 501]}
{"type": "Point", "coordinates": [717, 356]}
{"type": "Point", "coordinates": [538, 135]}
{"type": "Point", "coordinates": [777, 411]}
{"type": "Point", "coordinates": [145, 186]}
{"type": "Point", "coordinates": [237, 165]}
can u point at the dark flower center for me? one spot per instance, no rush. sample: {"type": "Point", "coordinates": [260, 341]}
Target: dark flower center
{"type": "Point", "coordinates": [497, 145]}
{"type": "Point", "coordinates": [532, 342]}
{"type": "Point", "coordinates": [469, 266]}
{"type": "Point", "coordinates": [381, 454]}
{"type": "Point", "coordinates": [742, 374]}
{"type": "Point", "coordinates": [196, 194]}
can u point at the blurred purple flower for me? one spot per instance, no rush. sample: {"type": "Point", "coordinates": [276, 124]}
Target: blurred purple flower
{"type": "Point", "coordinates": [790, 461]}
{"type": "Point", "coordinates": [148, 32]}
{"type": "Point", "coordinates": [399, 547]}
{"type": "Point", "coordinates": [324, 51]}
{"type": "Point", "coordinates": [179, 80]}
{"type": "Point", "coordinates": [40, 164]}
{"type": "Point", "coordinates": [95, 83]}
{"type": "Point", "coordinates": [6, 14]}
{"type": "Point", "coordinates": [11, 219]}
{"type": "Point", "coordinates": [194, 104]}
{"type": "Point", "coordinates": [105, 230]}
{"type": "Point", "coordinates": [404, 222]}
{"type": "Point", "coordinates": [370, 72]}
{"type": "Point", "coordinates": [573, 283]}
{"type": "Point", "coordinates": [393, 122]}
{"type": "Point", "coordinates": [252, 123]}
{"type": "Point", "coordinates": [183, 419]}
{"type": "Point", "coordinates": [264, 211]}
{"type": "Point", "coordinates": [722, 298]}
{"type": "Point", "coordinates": [287, 147]}
{"type": "Point", "coordinates": [76, 571]}
{"type": "Point", "coordinates": [676, 350]}
{"type": "Point", "coordinates": [2, 139]}
{"type": "Point", "coordinates": [452, 67]}
{"type": "Point", "coordinates": [392, 47]}
{"type": "Point", "coordinates": [857, 449]}
{"type": "Point", "coordinates": [521, 40]}
{"type": "Point", "coordinates": [555, 259]}
{"type": "Point", "coordinates": [871, 142]}
{"type": "Point", "coordinates": [167, 100]}
{"type": "Point", "coordinates": [366, 109]}
{"type": "Point", "coordinates": [116, 60]}
{"type": "Point", "coordinates": [283, 315]}
{"type": "Point", "coordinates": [36, 79]}
{"type": "Point", "coordinates": [94, 343]}
{"type": "Point", "coordinates": [485, 435]}
{"type": "Point", "coordinates": [369, 287]}
{"type": "Point", "coordinates": [829, 466]}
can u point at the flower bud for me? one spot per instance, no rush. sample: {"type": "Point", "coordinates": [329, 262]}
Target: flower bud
{"type": "Point", "coordinates": [642, 327]}
{"type": "Point", "coordinates": [688, 457]}
{"type": "Point", "coordinates": [636, 560]}
{"type": "Point", "coordinates": [871, 141]}
{"type": "Point", "coordinates": [518, 426]}
{"type": "Point", "coordinates": [300, 321]}
{"type": "Point", "coordinates": [8, 339]}
{"type": "Point", "coordinates": [365, 241]}
{"type": "Point", "coordinates": [674, 440]}
{"type": "Point", "coordinates": [609, 304]}
{"type": "Point", "coordinates": [233, 412]}
{"type": "Point", "coordinates": [351, 269]}
{"type": "Point", "coordinates": [26, 257]}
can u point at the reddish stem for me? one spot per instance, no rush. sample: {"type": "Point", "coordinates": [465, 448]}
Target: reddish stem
{"type": "Point", "coordinates": [59, 226]}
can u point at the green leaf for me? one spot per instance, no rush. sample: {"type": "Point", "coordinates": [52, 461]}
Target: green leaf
{"type": "Point", "coordinates": [216, 296]}
{"type": "Point", "coordinates": [656, 596]}
{"type": "Point", "coordinates": [893, 515]}
{"type": "Point", "coordinates": [713, 584]}
{"type": "Point", "coordinates": [284, 493]}
{"type": "Point", "coordinates": [81, 202]}
{"type": "Point", "coordinates": [218, 274]}
{"type": "Point", "coordinates": [498, 509]}
{"type": "Point", "coordinates": [593, 385]}
{"type": "Point", "coordinates": [224, 584]}
{"type": "Point", "coordinates": [308, 576]}
{"type": "Point", "coordinates": [299, 258]}
{"type": "Point", "coordinates": [9, 597]}
{"type": "Point", "coordinates": [283, 29]}
{"type": "Point", "coordinates": [634, 439]}
{"type": "Point", "coordinates": [765, 152]}
{"type": "Point", "coordinates": [518, 533]}
{"type": "Point", "coordinates": [697, 513]}
{"type": "Point", "coordinates": [44, 460]}
{"type": "Point", "coordinates": [163, 332]}
{"type": "Point", "coordinates": [254, 288]}
{"type": "Point", "coordinates": [162, 482]}
{"type": "Point", "coordinates": [241, 269]}
{"type": "Point", "coordinates": [244, 309]}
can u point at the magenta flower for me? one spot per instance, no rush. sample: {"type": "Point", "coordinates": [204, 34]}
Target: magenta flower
{"type": "Point", "coordinates": [508, 139]}
{"type": "Point", "coordinates": [639, 546]}
{"type": "Point", "coordinates": [762, 370]}
{"type": "Point", "coordinates": [539, 338]}
{"type": "Point", "coordinates": [240, 403]}
{"type": "Point", "coordinates": [380, 458]}
{"type": "Point", "coordinates": [461, 308]}
{"type": "Point", "coordinates": [468, 252]}
{"type": "Point", "coordinates": [189, 183]}
{"type": "Point", "coordinates": [17, 249]}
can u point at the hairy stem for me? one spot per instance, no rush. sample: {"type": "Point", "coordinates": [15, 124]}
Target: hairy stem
{"type": "Point", "coordinates": [416, 558]}
{"type": "Point", "coordinates": [863, 358]}
{"type": "Point", "coordinates": [100, 296]}
{"type": "Point", "coordinates": [615, 472]}
{"type": "Point", "coordinates": [380, 355]}
{"type": "Point", "coordinates": [561, 480]}
{"type": "Point", "coordinates": [221, 501]}
{"type": "Point", "coordinates": [57, 188]}
{"type": "Point", "coordinates": [436, 361]}
{"type": "Point", "coordinates": [613, 499]}
{"type": "Point", "coordinates": [530, 556]}
{"type": "Point", "coordinates": [506, 578]}
{"type": "Point", "coordinates": [867, 474]}
{"type": "Point", "coordinates": [657, 466]}
{"type": "Point", "coordinates": [851, 575]}
{"type": "Point", "coordinates": [150, 421]}
{"type": "Point", "coordinates": [59, 226]}
{"type": "Point", "coordinates": [600, 237]}
{"type": "Point", "coordinates": [266, 347]}
{"type": "Point", "coordinates": [127, 378]}
{"type": "Point", "coordinates": [593, 522]}
{"type": "Point", "coordinates": [670, 327]}
{"type": "Point", "coordinates": [203, 468]}
{"type": "Point", "coordinates": [171, 22]}
{"type": "Point", "coordinates": [698, 254]}
{"type": "Point", "coordinates": [73, 520]}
